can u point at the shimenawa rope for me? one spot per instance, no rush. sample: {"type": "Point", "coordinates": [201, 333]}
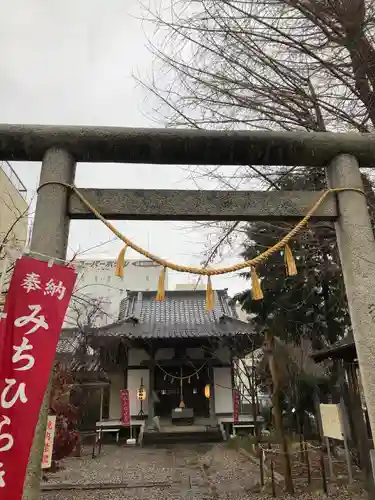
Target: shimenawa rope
{"type": "Point", "coordinates": [251, 263]}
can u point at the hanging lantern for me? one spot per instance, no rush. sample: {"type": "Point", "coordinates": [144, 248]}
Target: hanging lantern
{"type": "Point", "coordinates": [207, 391]}
{"type": "Point", "coordinates": [141, 394]}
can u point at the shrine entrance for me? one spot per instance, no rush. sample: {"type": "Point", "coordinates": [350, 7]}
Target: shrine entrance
{"type": "Point", "coordinates": [184, 383]}
{"type": "Point", "coordinates": [341, 155]}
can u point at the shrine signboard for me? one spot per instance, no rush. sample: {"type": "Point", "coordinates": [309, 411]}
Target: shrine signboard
{"type": "Point", "coordinates": [331, 421]}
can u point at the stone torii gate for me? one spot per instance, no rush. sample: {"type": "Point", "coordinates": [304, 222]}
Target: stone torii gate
{"type": "Point", "coordinates": [59, 148]}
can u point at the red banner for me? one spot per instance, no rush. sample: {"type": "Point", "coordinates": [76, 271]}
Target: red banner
{"type": "Point", "coordinates": [30, 325]}
{"type": "Point", "coordinates": [125, 406]}
{"type": "Point", "coordinates": [236, 406]}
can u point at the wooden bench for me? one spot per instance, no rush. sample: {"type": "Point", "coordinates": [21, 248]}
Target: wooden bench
{"type": "Point", "coordinates": [115, 427]}
{"type": "Point", "coordinates": [104, 426]}
{"type": "Point", "coordinates": [83, 435]}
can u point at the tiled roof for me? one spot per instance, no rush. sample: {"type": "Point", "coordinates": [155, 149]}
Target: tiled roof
{"type": "Point", "coordinates": [343, 348]}
{"type": "Point", "coordinates": [179, 306]}
{"type": "Point", "coordinates": [67, 348]}
{"type": "Point", "coordinates": [181, 315]}
{"type": "Point", "coordinates": [69, 342]}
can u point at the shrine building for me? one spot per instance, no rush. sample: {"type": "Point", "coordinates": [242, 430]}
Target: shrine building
{"type": "Point", "coordinates": [175, 358]}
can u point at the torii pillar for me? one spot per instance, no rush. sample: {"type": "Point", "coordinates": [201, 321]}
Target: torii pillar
{"type": "Point", "coordinates": [356, 245]}
{"type": "Point", "coordinates": [49, 236]}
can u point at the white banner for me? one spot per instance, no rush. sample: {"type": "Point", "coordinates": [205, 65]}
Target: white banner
{"type": "Point", "coordinates": [48, 442]}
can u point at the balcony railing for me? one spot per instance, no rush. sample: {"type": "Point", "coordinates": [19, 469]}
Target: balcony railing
{"type": "Point", "coordinates": [8, 170]}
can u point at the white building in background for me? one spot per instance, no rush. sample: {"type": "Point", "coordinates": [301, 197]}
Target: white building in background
{"type": "Point", "coordinates": [190, 286]}
{"type": "Point", "coordinates": [243, 316]}
{"type": "Point", "coordinates": [13, 208]}
{"type": "Point", "coordinates": [192, 283]}
{"type": "Point", "coordinates": [98, 292]}
{"type": "Point", "coordinates": [244, 375]}
{"type": "Point", "coordinates": [13, 219]}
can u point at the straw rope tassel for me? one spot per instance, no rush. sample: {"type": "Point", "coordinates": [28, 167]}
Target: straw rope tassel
{"type": "Point", "coordinates": [290, 263]}
{"type": "Point", "coordinates": [210, 301]}
{"type": "Point", "coordinates": [161, 285]}
{"type": "Point", "coordinates": [121, 263]}
{"type": "Point", "coordinates": [256, 290]}
{"type": "Point", "coordinates": [203, 271]}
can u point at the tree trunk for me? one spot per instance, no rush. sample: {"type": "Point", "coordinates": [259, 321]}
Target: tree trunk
{"type": "Point", "coordinates": [277, 414]}
{"type": "Point", "coordinates": [278, 419]}
{"type": "Point", "coordinates": [253, 400]}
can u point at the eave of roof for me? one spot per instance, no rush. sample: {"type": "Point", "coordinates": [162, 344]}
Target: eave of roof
{"type": "Point", "coordinates": [342, 349]}
{"type": "Point", "coordinates": [130, 328]}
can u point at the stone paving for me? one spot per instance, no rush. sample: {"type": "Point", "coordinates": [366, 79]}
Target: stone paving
{"type": "Point", "coordinates": [190, 471]}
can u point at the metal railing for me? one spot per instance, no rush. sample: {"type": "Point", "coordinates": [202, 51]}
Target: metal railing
{"type": "Point", "coordinates": [8, 170]}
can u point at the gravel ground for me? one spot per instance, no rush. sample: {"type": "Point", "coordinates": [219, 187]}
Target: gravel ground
{"type": "Point", "coordinates": [190, 471]}
{"type": "Point", "coordinates": [199, 472]}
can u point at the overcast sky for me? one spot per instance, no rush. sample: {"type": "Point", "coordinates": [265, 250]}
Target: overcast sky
{"type": "Point", "coordinates": [71, 63]}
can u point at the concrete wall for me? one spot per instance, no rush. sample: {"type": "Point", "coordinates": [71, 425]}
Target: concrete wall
{"type": "Point", "coordinates": [223, 353]}
{"type": "Point", "coordinates": [13, 205]}
{"type": "Point", "coordinates": [13, 217]}
{"type": "Point", "coordinates": [164, 353]}
{"type": "Point", "coordinates": [117, 383]}
{"type": "Point", "coordinates": [195, 352]}
{"type": "Point", "coordinates": [136, 356]}
{"type": "Point", "coordinates": [223, 390]}
{"type": "Point", "coordinates": [134, 381]}
{"type": "Point", "coordinates": [190, 286]}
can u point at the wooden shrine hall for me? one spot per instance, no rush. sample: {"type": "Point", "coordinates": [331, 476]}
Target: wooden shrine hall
{"type": "Point", "coordinates": [178, 355]}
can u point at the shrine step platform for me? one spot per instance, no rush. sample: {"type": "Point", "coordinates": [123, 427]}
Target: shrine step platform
{"type": "Point", "coordinates": [175, 434]}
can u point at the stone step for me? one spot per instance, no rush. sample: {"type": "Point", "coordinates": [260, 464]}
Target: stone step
{"type": "Point", "coordinates": [159, 438]}
{"type": "Point", "coordinates": [183, 428]}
